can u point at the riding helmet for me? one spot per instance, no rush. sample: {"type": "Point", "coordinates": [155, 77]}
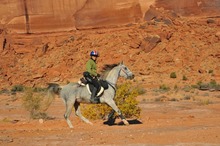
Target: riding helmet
{"type": "Point", "coordinates": [94, 53]}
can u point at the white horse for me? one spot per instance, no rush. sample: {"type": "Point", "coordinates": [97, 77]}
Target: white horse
{"type": "Point", "coordinates": [74, 94]}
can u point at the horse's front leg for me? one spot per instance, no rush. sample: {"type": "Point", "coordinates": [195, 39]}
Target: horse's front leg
{"type": "Point", "coordinates": [112, 104]}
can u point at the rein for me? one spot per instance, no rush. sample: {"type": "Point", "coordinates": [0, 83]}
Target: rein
{"type": "Point", "coordinates": [112, 85]}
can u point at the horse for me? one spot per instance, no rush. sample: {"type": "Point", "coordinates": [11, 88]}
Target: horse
{"type": "Point", "coordinates": [73, 94]}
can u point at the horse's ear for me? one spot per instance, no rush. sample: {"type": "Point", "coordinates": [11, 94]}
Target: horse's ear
{"type": "Point", "coordinates": [121, 62]}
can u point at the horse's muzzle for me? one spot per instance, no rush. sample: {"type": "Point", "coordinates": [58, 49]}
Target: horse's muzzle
{"type": "Point", "coordinates": [131, 77]}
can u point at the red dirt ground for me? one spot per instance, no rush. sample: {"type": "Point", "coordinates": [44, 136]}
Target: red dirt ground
{"type": "Point", "coordinates": [179, 123]}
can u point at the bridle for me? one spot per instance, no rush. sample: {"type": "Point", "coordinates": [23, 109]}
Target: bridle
{"type": "Point", "coordinates": [122, 69]}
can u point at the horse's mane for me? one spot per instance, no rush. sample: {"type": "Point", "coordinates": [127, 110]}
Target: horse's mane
{"type": "Point", "coordinates": [106, 68]}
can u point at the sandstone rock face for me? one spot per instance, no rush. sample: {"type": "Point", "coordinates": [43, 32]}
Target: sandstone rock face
{"type": "Point", "coordinates": [30, 16]}
{"type": "Point", "coordinates": [111, 12]}
{"type": "Point", "coordinates": [192, 7]}
{"type": "Point", "coordinates": [37, 16]}
{"type": "Point", "coordinates": [33, 16]}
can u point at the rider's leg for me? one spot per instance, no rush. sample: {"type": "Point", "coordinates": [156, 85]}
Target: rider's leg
{"type": "Point", "coordinates": [93, 81]}
{"type": "Point", "coordinates": [93, 98]}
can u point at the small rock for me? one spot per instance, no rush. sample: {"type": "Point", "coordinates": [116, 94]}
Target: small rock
{"type": "Point", "coordinates": [218, 34]}
{"type": "Point", "coordinates": [41, 121]}
{"type": "Point", "coordinates": [56, 79]}
{"type": "Point", "coordinates": [210, 21]}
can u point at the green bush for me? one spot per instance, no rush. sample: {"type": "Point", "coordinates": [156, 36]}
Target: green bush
{"type": "Point", "coordinates": [211, 85]}
{"type": "Point", "coordinates": [164, 88]}
{"type": "Point", "coordinates": [187, 88]}
{"type": "Point", "coordinates": [184, 78]}
{"type": "Point", "coordinates": [124, 99]}
{"type": "Point", "coordinates": [16, 88]}
{"type": "Point", "coordinates": [173, 75]}
{"type": "Point", "coordinates": [210, 71]}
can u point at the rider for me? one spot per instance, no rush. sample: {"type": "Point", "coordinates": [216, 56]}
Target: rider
{"type": "Point", "coordinates": [91, 75]}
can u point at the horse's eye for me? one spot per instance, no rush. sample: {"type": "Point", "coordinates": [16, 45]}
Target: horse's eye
{"type": "Point", "coordinates": [126, 68]}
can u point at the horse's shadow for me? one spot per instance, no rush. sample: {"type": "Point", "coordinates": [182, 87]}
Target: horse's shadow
{"type": "Point", "coordinates": [111, 122]}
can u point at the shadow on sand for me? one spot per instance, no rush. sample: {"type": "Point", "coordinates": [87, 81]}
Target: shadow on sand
{"type": "Point", "coordinates": [111, 122]}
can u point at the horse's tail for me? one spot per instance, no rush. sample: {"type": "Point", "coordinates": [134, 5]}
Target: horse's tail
{"type": "Point", "coordinates": [52, 89]}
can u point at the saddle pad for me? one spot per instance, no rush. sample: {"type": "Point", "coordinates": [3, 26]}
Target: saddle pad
{"type": "Point", "coordinates": [99, 92]}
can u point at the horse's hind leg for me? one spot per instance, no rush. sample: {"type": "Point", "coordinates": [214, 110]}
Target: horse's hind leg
{"type": "Point", "coordinates": [116, 109]}
{"type": "Point", "coordinates": [78, 113]}
{"type": "Point", "coordinates": [69, 106]}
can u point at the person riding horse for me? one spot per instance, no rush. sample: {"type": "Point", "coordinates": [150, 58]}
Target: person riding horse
{"type": "Point", "coordinates": [91, 75]}
{"type": "Point", "coordinates": [73, 94]}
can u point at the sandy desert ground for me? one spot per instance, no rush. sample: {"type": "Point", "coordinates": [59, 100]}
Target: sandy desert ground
{"type": "Point", "coordinates": [178, 123]}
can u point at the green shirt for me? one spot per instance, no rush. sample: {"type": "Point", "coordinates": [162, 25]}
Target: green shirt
{"type": "Point", "coordinates": [91, 67]}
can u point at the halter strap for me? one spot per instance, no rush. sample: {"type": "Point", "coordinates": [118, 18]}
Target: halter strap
{"type": "Point", "coordinates": [123, 71]}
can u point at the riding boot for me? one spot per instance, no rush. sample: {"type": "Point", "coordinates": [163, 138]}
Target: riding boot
{"type": "Point", "coordinates": [93, 98]}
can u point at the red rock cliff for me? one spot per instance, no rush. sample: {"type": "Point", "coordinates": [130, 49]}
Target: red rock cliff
{"type": "Point", "coordinates": [36, 16]}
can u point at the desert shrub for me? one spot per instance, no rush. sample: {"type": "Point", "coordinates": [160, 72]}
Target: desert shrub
{"type": "Point", "coordinates": [39, 89]}
{"type": "Point", "coordinates": [33, 103]}
{"type": "Point", "coordinates": [175, 87]}
{"type": "Point", "coordinates": [173, 75]}
{"type": "Point", "coordinates": [173, 99]}
{"type": "Point", "coordinates": [217, 87]}
{"type": "Point", "coordinates": [140, 90]}
{"type": "Point", "coordinates": [4, 91]}
{"type": "Point", "coordinates": [125, 100]}
{"type": "Point", "coordinates": [16, 88]}
{"type": "Point", "coordinates": [187, 88]}
{"type": "Point", "coordinates": [97, 111]}
{"type": "Point", "coordinates": [164, 88]}
{"type": "Point", "coordinates": [184, 78]}
{"type": "Point", "coordinates": [187, 97]}
{"type": "Point", "coordinates": [195, 86]}
{"type": "Point", "coordinates": [211, 85]}
{"type": "Point", "coordinates": [210, 71]}
{"type": "Point", "coordinates": [205, 102]}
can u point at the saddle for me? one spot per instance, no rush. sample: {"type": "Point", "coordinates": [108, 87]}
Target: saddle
{"type": "Point", "coordinates": [103, 85]}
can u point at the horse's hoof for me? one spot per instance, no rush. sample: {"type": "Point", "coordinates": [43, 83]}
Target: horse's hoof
{"type": "Point", "coordinates": [125, 122]}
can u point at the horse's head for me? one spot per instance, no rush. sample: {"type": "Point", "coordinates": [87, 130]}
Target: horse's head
{"type": "Point", "coordinates": [125, 71]}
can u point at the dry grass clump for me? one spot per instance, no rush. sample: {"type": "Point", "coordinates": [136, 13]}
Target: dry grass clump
{"type": "Point", "coordinates": [35, 103]}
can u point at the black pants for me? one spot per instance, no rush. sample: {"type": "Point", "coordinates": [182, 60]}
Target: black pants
{"type": "Point", "coordinates": [91, 80]}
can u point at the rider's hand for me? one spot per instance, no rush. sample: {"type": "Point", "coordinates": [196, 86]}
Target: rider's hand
{"type": "Point", "coordinates": [98, 75]}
